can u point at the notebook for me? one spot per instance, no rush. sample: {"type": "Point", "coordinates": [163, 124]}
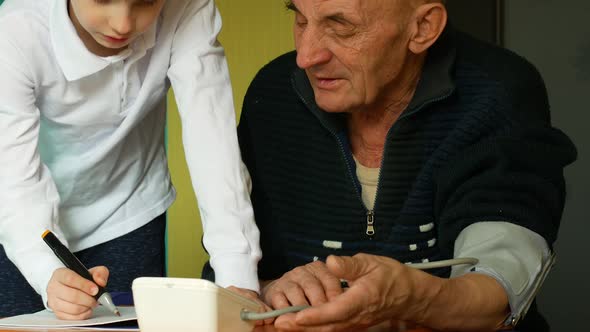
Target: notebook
{"type": "Point", "coordinates": [101, 319]}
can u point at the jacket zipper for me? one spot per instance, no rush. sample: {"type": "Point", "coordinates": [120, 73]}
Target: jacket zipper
{"type": "Point", "coordinates": [370, 213]}
{"type": "Point", "coordinates": [341, 145]}
{"type": "Point", "coordinates": [370, 221]}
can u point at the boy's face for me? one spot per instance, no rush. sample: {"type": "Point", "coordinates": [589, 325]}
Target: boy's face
{"type": "Point", "coordinates": [108, 26]}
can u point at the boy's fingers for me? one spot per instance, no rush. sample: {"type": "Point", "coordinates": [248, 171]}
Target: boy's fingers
{"type": "Point", "coordinates": [65, 316]}
{"type": "Point", "coordinates": [71, 279]}
{"type": "Point", "coordinates": [74, 309]}
{"type": "Point", "coordinates": [100, 274]}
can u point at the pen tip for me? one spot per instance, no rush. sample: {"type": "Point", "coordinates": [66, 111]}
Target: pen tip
{"type": "Point", "coordinates": [117, 313]}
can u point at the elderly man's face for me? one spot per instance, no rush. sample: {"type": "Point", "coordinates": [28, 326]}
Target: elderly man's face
{"type": "Point", "coordinates": [351, 50]}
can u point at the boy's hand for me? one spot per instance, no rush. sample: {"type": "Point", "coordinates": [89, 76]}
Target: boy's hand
{"type": "Point", "coordinates": [70, 296]}
{"type": "Point", "coordinates": [254, 296]}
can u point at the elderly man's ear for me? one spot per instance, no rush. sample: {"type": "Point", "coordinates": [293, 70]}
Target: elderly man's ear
{"type": "Point", "coordinates": [426, 26]}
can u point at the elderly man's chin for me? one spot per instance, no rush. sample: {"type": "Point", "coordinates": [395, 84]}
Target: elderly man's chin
{"type": "Point", "coordinates": [334, 102]}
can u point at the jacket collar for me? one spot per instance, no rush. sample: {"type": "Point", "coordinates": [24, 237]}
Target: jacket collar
{"type": "Point", "coordinates": [436, 83]}
{"type": "Point", "coordinates": [74, 59]}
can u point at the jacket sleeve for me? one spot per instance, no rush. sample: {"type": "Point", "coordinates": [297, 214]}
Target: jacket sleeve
{"type": "Point", "coordinates": [509, 163]}
{"type": "Point", "coordinates": [515, 177]}
{"type": "Point", "coordinates": [501, 195]}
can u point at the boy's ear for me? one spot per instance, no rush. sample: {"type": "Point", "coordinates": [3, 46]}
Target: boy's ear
{"type": "Point", "coordinates": [428, 23]}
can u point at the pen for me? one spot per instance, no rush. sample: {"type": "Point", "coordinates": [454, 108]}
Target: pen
{"type": "Point", "coordinates": [72, 263]}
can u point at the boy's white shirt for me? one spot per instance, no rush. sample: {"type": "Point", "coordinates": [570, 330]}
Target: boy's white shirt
{"type": "Point", "coordinates": [82, 148]}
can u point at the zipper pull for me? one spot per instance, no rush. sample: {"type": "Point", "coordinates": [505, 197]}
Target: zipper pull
{"type": "Point", "coordinates": [370, 222]}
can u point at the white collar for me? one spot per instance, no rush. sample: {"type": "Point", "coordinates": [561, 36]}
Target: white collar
{"type": "Point", "coordinates": [75, 60]}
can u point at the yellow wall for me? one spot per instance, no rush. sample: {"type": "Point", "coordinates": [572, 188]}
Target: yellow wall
{"type": "Point", "coordinates": [254, 32]}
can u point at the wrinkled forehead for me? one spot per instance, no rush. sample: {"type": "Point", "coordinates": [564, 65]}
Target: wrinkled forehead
{"type": "Point", "coordinates": [363, 8]}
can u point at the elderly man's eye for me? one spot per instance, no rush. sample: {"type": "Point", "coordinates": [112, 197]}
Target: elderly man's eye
{"type": "Point", "coordinates": [341, 27]}
{"type": "Point", "coordinates": [300, 21]}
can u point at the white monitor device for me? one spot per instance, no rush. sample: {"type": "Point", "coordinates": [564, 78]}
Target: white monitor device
{"type": "Point", "coordinates": [179, 304]}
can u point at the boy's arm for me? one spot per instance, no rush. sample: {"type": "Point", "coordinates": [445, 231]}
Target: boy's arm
{"type": "Point", "coordinates": [28, 194]}
{"type": "Point", "coordinates": [200, 79]}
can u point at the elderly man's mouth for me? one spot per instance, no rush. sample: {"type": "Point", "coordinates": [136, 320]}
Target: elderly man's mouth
{"type": "Point", "coordinates": [327, 83]}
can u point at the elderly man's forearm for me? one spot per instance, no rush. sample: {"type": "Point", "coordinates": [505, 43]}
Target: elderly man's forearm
{"type": "Point", "coordinates": [472, 302]}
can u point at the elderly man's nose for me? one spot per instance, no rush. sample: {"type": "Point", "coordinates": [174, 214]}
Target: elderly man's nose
{"type": "Point", "coordinates": [311, 52]}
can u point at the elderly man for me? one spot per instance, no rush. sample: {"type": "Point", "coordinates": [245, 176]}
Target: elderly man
{"type": "Point", "coordinates": [390, 139]}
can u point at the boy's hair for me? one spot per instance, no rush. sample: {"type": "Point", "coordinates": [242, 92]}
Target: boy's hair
{"type": "Point", "coordinates": [289, 3]}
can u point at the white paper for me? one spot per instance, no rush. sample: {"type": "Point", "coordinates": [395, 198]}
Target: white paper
{"type": "Point", "coordinates": [47, 320]}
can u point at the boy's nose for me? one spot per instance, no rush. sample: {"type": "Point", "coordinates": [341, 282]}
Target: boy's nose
{"type": "Point", "coordinates": [122, 25]}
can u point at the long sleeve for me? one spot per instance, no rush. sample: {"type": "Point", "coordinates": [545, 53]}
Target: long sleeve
{"type": "Point", "coordinates": [28, 194]}
{"type": "Point", "coordinates": [518, 258]}
{"type": "Point", "coordinates": [501, 195]}
{"type": "Point", "coordinates": [200, 79]}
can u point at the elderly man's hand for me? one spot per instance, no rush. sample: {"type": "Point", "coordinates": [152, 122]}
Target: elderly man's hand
{"type": "Point", "coordinates": [311, 284]}
{"type": "Point", "coordinates": [381, 289]}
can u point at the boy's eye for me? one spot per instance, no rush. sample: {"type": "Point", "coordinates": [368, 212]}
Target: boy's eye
{"type": "Point", "coordinates": [147, 2]}
{"type": "Point", "coordinates": [138, 2]}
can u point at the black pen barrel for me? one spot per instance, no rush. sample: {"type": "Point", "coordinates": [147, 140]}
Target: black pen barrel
{"type": "Point", "coordinates": [69, 260]}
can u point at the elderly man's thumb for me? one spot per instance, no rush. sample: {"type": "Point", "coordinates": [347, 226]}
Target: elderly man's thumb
{"type": "Point", "coordinates": [349, 268]}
